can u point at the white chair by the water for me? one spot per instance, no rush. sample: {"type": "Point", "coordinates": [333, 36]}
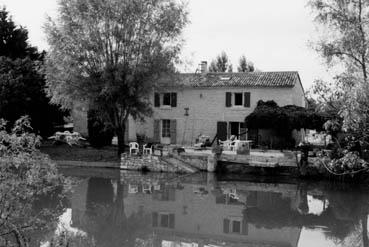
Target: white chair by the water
{"type": "Point", "coordinates": [133, 148]}
{"type": "Point", "coordinates": [147, 148]}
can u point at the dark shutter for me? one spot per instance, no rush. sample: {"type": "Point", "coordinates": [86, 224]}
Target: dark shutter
{"type": "Point", "coordinates": [228, 99]}
{"type": "Point", "coordinates": [173, 131]}
{"type": "Point", "coordinates": [173, 97]}
{"type": "Point", "coordinates": [171, 221]}
{"type": "Point", "coordinates": [226, 225]}
{"type": "Point", "coordinates": [222, 131]}
{"type": "Point", "coordinates": [154, 219]}
{"type": "Point", "coordinates": [157, 100]}
{"type": "Point", "coordinates": [247, 98]}
{"type": "Point", "coordinates": [156, 131]}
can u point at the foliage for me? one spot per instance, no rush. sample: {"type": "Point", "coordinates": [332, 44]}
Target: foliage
{"type": "Point", "coordinates": [244, 65]}
{"type": "Point", "coordinates": [25, 175]}
{"type": "Point", "coordinates": [14, 40]}
{"type": "Point", "coordinates": [348, 163]}
{"type": "Point", "coordinates": [111, 53]}
{"type": "Point", "coordinates": [345, 25]}
{"type": "Point", "coordinates": [21, 80]}
{"type": "Point", "coordinates": [268, 115]}
{"type": "Point", "coordinates": [99, 133]}
{"type": "Point", "coordinates": [220, 64]}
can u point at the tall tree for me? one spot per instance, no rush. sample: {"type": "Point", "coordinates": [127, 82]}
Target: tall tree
{"type": "Point", "coordinates": [21, 80]}
{"type": "Point", "coordinates": [14, 39]}
{"type": "Point", "coordinates": [244, 65]}
{"type": "Point", "coordinates": [345, 40]}
{"type": "Point", "coordinates": [220, 64]}
{"type": "Point", "coordinates": [111, 52]}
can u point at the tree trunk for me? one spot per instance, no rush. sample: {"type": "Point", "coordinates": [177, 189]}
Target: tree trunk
{"type": "Point", "coordinates": [364, 225]}
{"type": "Point", "coordinates": [120, 134]}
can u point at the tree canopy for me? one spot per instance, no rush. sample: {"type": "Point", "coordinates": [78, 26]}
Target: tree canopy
{"type": "Point", "coordinates": [22, 81]}
{"type": "Point", "coordinates": [110, 53]}
{"type": "Point", "coordinates": [221, 63]}
{"type": "Point", "coordinates": [245, 65]}
{"type": "Point", "coordinates": [268, 115]}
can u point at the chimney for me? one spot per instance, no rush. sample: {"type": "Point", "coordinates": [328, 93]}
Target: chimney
{"type": "Point", "coordinates": [203, 67]}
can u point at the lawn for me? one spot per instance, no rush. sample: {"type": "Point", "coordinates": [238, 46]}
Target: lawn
{"type": "Point", "coordinates": [76, 153]}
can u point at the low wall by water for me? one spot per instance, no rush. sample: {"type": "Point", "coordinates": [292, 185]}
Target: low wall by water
{"type": "Point", "coordinates": [149, 163]}
{"type": "Point", "coordinates": [199, 162]}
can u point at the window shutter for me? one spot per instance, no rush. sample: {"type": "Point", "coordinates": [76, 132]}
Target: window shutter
{"type": "Point", "coordinates": [171, 221]}
{"type": "Point", "coordinates": [247, 99]}
{"type": "Point", "coordinates": [226, 225]}
{"type": "Point", "coordinates": [222, 131]}
{"type": "Point", "coordinates": [228, 99]}
{"type": "Point", "coordinates": [157, 100]}
{"type": "Point", "coordinates": [154, 219]}
{"type": "Point", "coordinates": [173, 131]}
{"type": "Point", "coordinates": [173, 97]}
{"type": "Point", "coordinates": [156, 131]}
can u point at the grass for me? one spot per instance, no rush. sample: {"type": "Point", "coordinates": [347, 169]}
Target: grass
{"type": "Point", "coordinates": [76, 153]}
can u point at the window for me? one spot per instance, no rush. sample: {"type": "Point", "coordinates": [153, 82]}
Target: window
{"type": "Point", "coordinates": [166, 99]}
{"type": "Point", "coordinates": [237, 129]}
{"type": "Point", "coordinates": [165, 220]}
{"type": "Point", "coordinates": [165, 128]}
{"type": "Point", "coordinates": [170, 99]}
{"type": "Point", "coordinates": [236, 226]}
{"type": "Point", "coordinates": [238, 99]}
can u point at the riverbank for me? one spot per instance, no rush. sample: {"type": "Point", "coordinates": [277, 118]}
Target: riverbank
{"type": "Point", "coordinates": [64, 152]}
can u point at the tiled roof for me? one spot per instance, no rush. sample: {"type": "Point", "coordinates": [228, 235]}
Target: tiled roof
{"type": "Point", "coordinates": [247, 79]}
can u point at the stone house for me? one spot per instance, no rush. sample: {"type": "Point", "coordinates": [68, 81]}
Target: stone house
{"type": "Point", "coordinates": [214, 104]}
{"type": "Point", "coordinates": [191, 104]}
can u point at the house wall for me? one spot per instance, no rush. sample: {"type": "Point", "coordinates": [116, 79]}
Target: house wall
{"type": "Point", "coordinates": [207, 107]}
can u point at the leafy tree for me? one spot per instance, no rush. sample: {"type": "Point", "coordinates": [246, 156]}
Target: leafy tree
{"type": "Point", "coordinates": [220, 64]}
{"type": "Point", "coordinates": [346, 26]}
{"type": "Point", "coordinates": [110, 53]}
{"type": "Point", "coordinates": [244, 65]}
{"type": "Point", "coordinates": [21, 80]}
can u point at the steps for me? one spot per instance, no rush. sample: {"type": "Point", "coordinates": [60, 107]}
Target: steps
{"type": "Point", "coordinates": [179, 164]}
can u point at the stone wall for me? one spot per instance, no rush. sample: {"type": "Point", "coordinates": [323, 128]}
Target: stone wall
{"type": "Point", "coordinates": [149, 163]}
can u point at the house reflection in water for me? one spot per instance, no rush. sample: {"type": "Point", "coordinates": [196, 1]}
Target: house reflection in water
{"type": "Point", "coordinates": [196, 211]}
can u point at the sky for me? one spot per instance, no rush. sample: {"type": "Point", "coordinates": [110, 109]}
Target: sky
{"type": "Point", "coordinates": [274, 35]}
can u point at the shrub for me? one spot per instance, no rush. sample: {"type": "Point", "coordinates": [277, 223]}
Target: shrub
{"type": "Point", "coordinates": [25, 175]}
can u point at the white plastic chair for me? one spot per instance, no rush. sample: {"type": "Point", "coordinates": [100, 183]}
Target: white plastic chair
{"type": "Point", "coordinates": [146, 149]}
{"type": "Point", "coordinates": [133, 147]}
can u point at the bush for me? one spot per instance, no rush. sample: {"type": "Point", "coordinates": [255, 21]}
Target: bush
{"type": "Point", "coordinates": [25, 175]}
{"type": "Point", "coordinates": [100, 134]}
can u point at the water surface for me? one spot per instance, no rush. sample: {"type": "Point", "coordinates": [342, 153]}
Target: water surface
{"type": "Point", "coordinates": [116, 208]}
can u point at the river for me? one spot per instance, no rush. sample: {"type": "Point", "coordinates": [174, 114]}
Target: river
{"type": "Point", "coordinates": [119, 208]}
